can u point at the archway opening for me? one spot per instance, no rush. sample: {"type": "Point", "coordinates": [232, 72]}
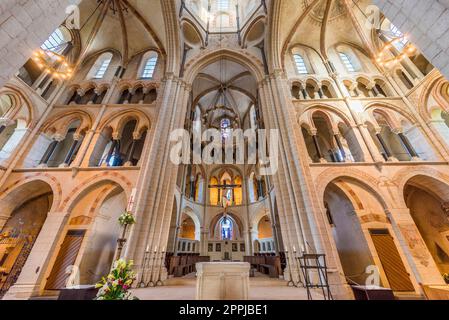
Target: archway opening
{"type": "Point", "coordinates": [27, 207]}
{"type": "Point", "coordinates": [428, 201]}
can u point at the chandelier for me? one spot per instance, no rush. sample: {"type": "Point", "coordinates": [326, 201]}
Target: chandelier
{"type": "Point", "coordinates": [401, 44]}
{"type": "Point", "coordinates": [53, 63]}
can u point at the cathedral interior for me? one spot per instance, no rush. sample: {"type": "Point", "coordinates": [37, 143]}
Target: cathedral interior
{"type": "Point", "coordinates": [363, 165]}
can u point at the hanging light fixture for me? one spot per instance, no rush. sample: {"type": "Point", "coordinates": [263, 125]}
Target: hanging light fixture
{"type": "Point", "coordinates": [408, 49]}
{"type": "Point", "coordinates": [53, 63]}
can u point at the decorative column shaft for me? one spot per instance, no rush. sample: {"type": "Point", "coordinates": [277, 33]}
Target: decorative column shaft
{"type": "Point", "coordinates": [50, 150]}
{"type": "Point", "coordinates": [384, 146]}
{"type": "Point", "coordinates": [340, 146]}
{"type": "Point", "coordinates": [132, 150]}
{"type": "Point", "coordinates": [317, 146]}
{"type": "Point", "coordinates": [68, 158]}
{"type": "Point", "coordinates": [408, 145]}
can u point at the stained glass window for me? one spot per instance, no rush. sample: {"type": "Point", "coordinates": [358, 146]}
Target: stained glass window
{"type": "Point", "coordinates": [225, 128]}
{"type": "Point", "coordinates": [226, 229]}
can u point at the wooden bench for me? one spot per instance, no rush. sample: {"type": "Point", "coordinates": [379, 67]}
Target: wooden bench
{"type": "Point", "coordinates": [270, 265]}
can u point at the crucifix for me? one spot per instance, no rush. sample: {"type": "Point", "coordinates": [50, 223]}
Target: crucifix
{"type": "Point", "coordinates": [226, 192]}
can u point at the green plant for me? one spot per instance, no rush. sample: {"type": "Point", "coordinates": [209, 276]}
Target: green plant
{"type": "Point", "coordinates": [118, 282]}
{"type": "Point", "coordinates": [126, 219]}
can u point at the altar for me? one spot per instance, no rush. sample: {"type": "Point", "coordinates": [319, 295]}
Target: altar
{"type": "Point", "coordinates": [222, 280]}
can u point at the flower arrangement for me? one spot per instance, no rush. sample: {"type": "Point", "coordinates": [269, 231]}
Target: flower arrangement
{"type": "Point", "coordinates": [126, 219]}
{"type": "Point", "coordinates": [117, 284]}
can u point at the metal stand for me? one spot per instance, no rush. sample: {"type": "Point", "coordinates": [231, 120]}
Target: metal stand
{"type": "Point", "coordinates": [309, 262]}
{"type": "Point", "coordinates": [142, 279]}
{"type": "Point", "coordinates": [151, 283]}
{"type": "Point", "coordinates": [159, 281]}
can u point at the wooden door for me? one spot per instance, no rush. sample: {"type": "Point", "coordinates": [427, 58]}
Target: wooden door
{"type": "Point", "coordinates": [66, 258]}
{"type": "Point", "coordinates": [392, 264]}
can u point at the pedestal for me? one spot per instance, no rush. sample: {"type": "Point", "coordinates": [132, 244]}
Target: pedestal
{"type": "Point", "coordinates": [222, 280]}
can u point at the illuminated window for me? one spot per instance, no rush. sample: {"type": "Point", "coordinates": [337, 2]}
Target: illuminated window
{"type": "Point", "coordinates": [300, 64]}
{"type": "Point", "coordinates": [56, 42]}
{"type": "Point", "coordinates": [347, 62]}
{"type": "Point", "coordinates": [223, 5]}
{"type": "Point", "coordinates": [225, 126]}
{"type": "Point", "coordinates": [150, 66]}
{"type": "Point", "coordinates": [398, 34]}
{"type": "Point", "coordinates": [103, 68]}
{"type": "Point", "coordinates": [226, 229]}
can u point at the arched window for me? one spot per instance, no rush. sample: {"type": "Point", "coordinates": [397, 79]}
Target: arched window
{"type": "Point", "coordinates": [347, 62]}
{"type": "Point", "coordinates": [225, 126]}
{"type": "Point", "coordinates": [396, 33]}
{"type": "Point", "coordinates": [300, 64]}
{"type": "Point", "coordinates": [101, 66]}
{"type": "Point", "coordinates": [226, 228]}
{"type": "Point", "coordinates": [150, 62]}
{"type": "Point", "coordinates": [57, 41]}
{"type": "Point", "coordinates": [223, 5]}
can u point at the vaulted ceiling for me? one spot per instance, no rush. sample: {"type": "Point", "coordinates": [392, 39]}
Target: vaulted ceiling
{"type": "Point", "coordinates": [128, 26]}
{"type": "Point", "coordinates": [224, 89]}
{"type": "Point", "coordinates": [318, 24]}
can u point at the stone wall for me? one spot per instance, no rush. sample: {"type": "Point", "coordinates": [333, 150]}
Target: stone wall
{"type": "Point", "coordinates": [426, 22]}
{"type": "Point", "coordinates": [24, 26]}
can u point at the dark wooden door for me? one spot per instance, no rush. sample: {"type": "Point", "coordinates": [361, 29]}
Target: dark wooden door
{"type": "Point", "coordinates": [66, 258]}
{"type": "Point", "coordinates": [390, 258]}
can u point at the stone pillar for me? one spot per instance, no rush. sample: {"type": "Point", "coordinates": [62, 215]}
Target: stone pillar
{"type": "Point", "coordinates": [300, 217]}
{"type": "Point", "coordinates": [110, 152]}
{"type": "Point", "coordinates": [384, 146]}
{"type": "Point", "coordinates": [47, 155]}
{"type": "Point", "coordinates": [38, 266]}
{"type": "Point", "coordinates": [130, 155]}
{"type": "Point", "coordinates": [155, 203]}
{"type": "Point", "coordinates": [338, 141]}
{"type": "Point", "coordinates": [408, 146]}
{"type": "Point", "coordinates": [317, 148]}
{"type": "Point", "coordinates": [73, 147]}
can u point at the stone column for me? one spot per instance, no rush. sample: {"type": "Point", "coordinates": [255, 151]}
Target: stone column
{"type": "Point", "coordinates": [317, 148]}
{"type": "Point", "coordinates": [130, 155]}
{"type": "Point", "coordinates": [38, 266]}
{"type": "Point", "coordinates": [387, 151]}
{"type": "Point", "coordinates": [50, 150]}
{"type": "Point", "coordinates": [300, 216]}
{"type": "Point", "coordinates": [408, 146]}
{"type": "Point", "coordinates": [114, 145]}
{"type": "Point", "coordinates": [155, 201]}
{"type": "Point", "coordinates": [76, 141]}
{"type": "Point", "coordinates": [338, 141]}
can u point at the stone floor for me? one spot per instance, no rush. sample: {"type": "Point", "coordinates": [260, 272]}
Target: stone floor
{"type": "Point", "coordinates": [261, 288]}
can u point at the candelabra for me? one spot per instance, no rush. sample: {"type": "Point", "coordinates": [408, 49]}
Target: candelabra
{"type": "Point", "coordinates": [144, 266]}
{"type": "Point", "coordinates": [291, 282]}
{"type": "Point", "coordinates": [159, 276]}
